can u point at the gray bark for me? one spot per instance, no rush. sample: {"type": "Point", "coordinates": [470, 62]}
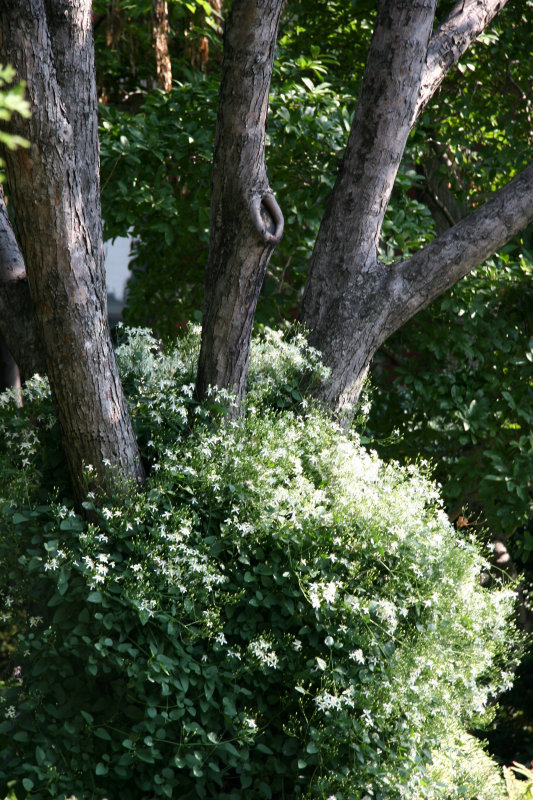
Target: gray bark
{"type": "Point", "coordinates": [344, 267]}
{"type": "Point", "coordinates": [464, 23]}
{"type": "Point", "coordinates": [246, 222]}
{"type": "Point", "coordinates": [352, 302]}
{"type": "Point", "coordinates": [55, 192]}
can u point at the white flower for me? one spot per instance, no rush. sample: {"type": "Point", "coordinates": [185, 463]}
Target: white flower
{"type": "Point", "coordinates": [11, 712]}
{"type": "Point", "coordinates": [327, 701]}
{"type": "Point", "coordinates": [357, 655]}
{"type": "Point", "coordinates": [263, 651]}
{"type": "Point", "coordinates": [367, 717]}
{"type": "Point", "coordinates": [329, 592]}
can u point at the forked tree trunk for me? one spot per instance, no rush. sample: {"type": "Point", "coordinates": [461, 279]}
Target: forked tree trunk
{"type": "Point", "coordinates": [343, 305]}
{"type": "Point", "coordinates": [352, 302]}
{"type": "Point", "coordinates": [246, 221]}
{"type": "Point", "coordinates": [55, 191]}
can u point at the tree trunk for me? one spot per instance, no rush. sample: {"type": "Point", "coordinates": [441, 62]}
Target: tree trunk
{"type": "Point", "coordinates": [17, 320]}
{"type": "Point", "coordinates": [246, 221]}
{"type": "Point", "coordinates": [55, 191]}
{"type": "Point", "coordinates": [343, 307]}
{"type": "Point", "coordinates": [352, 302]}
{"type": "Point", "coordinates": [160, 33]}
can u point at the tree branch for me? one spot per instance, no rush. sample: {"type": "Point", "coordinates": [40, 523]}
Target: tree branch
{"type": "Point", "coordinates": [462, 26]}
{"type": "Point", "coordinates": [414, 283]}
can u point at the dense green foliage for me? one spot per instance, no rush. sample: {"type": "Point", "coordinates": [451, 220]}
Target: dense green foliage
{"type": "Point", "coordinates": [277, 614]}
{"type": "Point", "coordinates": [124, 39]}
{"type": "Point", "coordinates": [457, 384]}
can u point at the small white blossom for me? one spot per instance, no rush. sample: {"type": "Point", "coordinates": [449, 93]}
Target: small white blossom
{"type": "Point", "coordinates": [357, 655]}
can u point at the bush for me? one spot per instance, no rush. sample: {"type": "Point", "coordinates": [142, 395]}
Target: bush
{"type": "Point", "coordinates": [277, 614]}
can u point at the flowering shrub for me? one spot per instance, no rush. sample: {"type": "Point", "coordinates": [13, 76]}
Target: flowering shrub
{"type": "Point", "coordinates": [277, 614]}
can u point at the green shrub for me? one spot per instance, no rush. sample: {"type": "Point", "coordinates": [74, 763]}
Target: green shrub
{"type": "Point", "coordinates": [278, 614]}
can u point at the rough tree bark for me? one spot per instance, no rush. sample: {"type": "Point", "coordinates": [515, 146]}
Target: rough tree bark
{"type": "Point", "coordinates": [54, 187]}
{"type": "Point", "coordinates": [343, 304]}
{"type": "Point", "coordinates": [246, 221]}
{"type": "Point", "coordinates": [352, 302]}
{"type": "Point", "coordinates": [462, 26]}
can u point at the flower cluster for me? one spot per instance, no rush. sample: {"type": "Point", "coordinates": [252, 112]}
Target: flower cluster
{"type": "Point", "coordinates": [276, 608]}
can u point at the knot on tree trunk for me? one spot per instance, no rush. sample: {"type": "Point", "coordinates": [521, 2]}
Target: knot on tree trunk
{"type": "Point", "coordinates": [267, 218]}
